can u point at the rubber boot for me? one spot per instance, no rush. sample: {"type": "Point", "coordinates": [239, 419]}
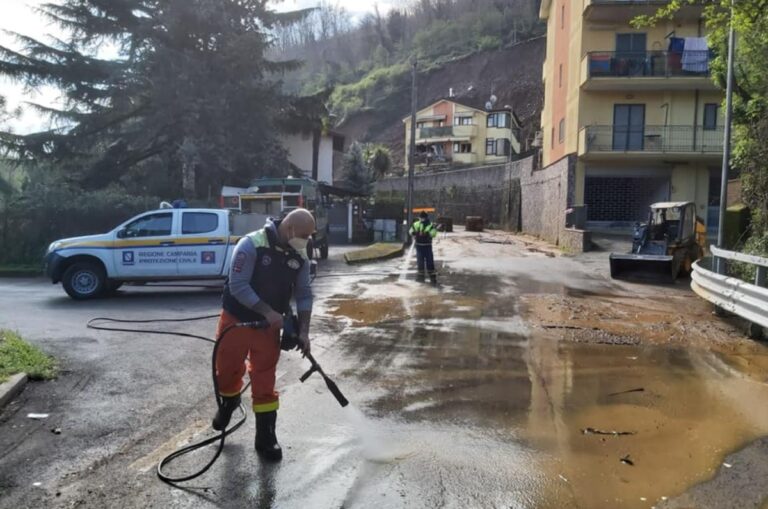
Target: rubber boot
{"type": "Point", "coordinates": [224, 413]}
{"type": "Point", "coordinates": [420, 277]}
{"type": "Point", "coordinates": [433, 279]}
{"type": "Point", "coordinates": [266, 440]}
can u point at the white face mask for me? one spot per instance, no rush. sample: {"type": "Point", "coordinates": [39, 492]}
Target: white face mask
{"type": "Point", "coordinates": [298, 244]}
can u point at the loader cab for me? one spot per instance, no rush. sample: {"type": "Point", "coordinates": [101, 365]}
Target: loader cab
{"type": "Point", "coordinates": [663, 247]}
{"type": "Point", "coordinates": [672, 222]}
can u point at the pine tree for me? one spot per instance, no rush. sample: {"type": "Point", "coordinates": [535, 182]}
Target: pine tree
{"type": "Point", "coordinates": [190, 101]}
{"type": "Point", "coordinates": [356, 172]}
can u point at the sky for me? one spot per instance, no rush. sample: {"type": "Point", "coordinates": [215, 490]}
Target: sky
{"type": "Point", "coordinates": [20, 16]}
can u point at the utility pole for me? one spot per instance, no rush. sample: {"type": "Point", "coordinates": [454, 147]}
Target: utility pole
{"type": "Point", "coordinates": [411, 148]}
{"type": "Point", "coordinates": [726, 145]}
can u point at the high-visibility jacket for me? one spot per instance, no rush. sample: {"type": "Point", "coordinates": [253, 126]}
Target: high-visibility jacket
{"type": "Point", "coordinates": [423, 232]}
{"type": "Point", "coordinates": [275, 275]}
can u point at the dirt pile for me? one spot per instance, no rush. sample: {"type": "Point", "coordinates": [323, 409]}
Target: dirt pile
{"type": "Point", "coordinates": [673, 321]}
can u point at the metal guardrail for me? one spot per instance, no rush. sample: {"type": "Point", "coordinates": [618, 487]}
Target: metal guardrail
{"type": "Point", "coordinates": [747, 300]}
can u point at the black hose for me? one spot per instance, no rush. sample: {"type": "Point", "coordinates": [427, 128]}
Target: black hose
{"type": "Point", "coordinates": [217, 342]}
{"type": "Point", "coordinates": [92, 324]}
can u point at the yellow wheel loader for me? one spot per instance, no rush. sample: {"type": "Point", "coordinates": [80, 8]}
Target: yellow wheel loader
{"type": "Point", "coordinates": [665, 246]}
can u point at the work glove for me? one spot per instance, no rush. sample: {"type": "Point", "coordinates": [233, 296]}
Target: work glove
{"type": "Point", "coordinates": [274, 318]}
{"type": "Point", "coordinates": [305, 345]}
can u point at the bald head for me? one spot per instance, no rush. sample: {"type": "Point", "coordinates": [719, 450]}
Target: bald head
{"type": "Point", "coordinates": [298, 223]}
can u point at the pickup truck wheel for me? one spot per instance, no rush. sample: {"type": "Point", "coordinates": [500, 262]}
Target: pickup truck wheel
{"type": "Point", "coordinates": [84, 281]}
{"type": "Point", "coordinates": [324, 250]}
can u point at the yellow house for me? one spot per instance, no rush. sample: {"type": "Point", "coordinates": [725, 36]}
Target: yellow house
{"type": "Point", "coordinates": [457, 131]}
{"type": "Point", "coordinates": [636, 108]}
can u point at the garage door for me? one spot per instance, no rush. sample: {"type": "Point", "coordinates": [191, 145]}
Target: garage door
{"type": "Point", "coordinates": [623, 199]}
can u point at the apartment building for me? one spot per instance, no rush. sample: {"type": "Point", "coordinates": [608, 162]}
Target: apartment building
{"type": "Point", "coordinates": [635, 108]}
{"type": "Point", "coordinates": [463, 132]}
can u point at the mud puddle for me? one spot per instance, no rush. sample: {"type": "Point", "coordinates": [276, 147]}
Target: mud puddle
{"type": "Point", "coordinates": [603, 398]}
{"type": "Point", "coordinates": [592, 425]}
{"type": "Point", "coordinates": [592, 394]}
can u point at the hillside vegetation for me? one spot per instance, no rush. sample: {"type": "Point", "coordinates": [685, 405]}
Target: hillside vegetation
{"type": "Point", "coordinates": [367, 63]}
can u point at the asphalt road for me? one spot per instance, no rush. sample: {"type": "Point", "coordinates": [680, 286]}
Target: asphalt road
{"type": "Point", "coordinates": [458, 398]}
{"type": "Point", "coordinates": [124, 400]}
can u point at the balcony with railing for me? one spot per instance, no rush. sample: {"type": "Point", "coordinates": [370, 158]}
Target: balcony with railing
{"type": "Point", "coordinates": [670, 141]}
{"type": "Point", "coordinates": [465, 157]}
{"type": "Point", "coordinates": [447, 133]}
{"type": "Point", "coordinates": [646, 70]}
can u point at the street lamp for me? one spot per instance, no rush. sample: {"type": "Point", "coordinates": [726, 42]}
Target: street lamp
{"type": "Point", "coordinates": [726, 144]}
{"type": "Point", "coordinates": [411, 149]}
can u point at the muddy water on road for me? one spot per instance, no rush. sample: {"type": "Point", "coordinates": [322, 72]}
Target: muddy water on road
{"type": "Point", "coordinates": [483, 409]}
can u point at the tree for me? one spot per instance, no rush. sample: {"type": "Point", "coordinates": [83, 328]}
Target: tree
{"type": "Point", "coordinates": [189, 103]}
{"type": "Point", "coordinates": [750, 101]}
{"type": "Point", "coordinates": [6, 187]}
{"type": "Point", "coordinates": [356, 171]}
{"type": "Point", "coordinates": [5, 114]}
{"type": "Point", "coordinates": [378, 159]}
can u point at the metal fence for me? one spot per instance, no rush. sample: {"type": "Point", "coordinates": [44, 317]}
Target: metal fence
{"type": "Point", "coordinates": [652, 64]}
{"type": "Point", "coordinates": [747, 300]}
{"type": "Point", "coordinates": [653, 138]}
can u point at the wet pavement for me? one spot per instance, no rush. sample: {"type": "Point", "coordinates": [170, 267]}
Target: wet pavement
{"type": "Point", "coordinates": [523, 380]}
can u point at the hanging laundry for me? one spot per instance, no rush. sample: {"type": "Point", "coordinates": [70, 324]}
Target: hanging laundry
{"type": "Point", "coordinates": [696, 55]}
{"type": "Point", "coordinates": [676, 44]}
{"type": "Point", "coordinates": [675, 54]}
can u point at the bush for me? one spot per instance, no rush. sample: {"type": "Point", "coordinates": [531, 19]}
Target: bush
{"type": "Point", "coordinates": [44, 212]}
{"type": "Point", "coordinates": [488, 42]}
{"type": "Point", "coordinates": [756, 245]}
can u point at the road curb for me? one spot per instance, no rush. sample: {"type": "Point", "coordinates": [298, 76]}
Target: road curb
{"type": "Point", "coordinates": [11, 388]}
{"type": "Point", "coordinates": [374, 253]}
{"type": "Point", "coordinates": [9, 274]}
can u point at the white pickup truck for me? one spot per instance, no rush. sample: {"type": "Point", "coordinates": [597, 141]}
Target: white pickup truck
{"type": "Point", "coordinates": [160, 245]}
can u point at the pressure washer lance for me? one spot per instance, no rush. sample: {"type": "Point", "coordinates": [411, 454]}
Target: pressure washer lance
{"type": "Point", "coordinates": [289, 341]}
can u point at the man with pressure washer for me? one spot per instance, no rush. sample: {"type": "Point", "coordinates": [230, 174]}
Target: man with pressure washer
{"type": "Point", "coordinates": [269, 266]}
{"type": "Point", "coordinates": [423, 231]}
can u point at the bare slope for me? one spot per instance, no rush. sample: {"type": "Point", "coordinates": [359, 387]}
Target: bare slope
{"type": "Point", "coordinates": [514, 75]}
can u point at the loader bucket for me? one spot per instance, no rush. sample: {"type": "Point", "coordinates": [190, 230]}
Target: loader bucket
{"type": "Point", "coordinates": [649, 268]}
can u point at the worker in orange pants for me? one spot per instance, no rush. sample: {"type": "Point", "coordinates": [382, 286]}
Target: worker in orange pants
{"type": "Point", "coordinates": [259, 349]}
{"type": "Point", "coordinates": [269, 267]}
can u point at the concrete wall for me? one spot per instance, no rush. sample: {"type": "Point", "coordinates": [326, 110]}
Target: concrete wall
{"type": "Point", "coordinates": [545, 195]}
{"type": "Point", "coordinates": [492, 192]}
{"type": "Point", "coordinates": [516, 197]}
